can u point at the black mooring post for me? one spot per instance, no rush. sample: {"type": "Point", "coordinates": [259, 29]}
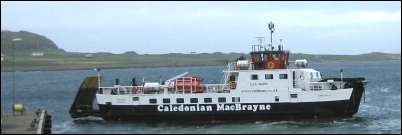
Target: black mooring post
{"type": "Point", "coordinates": [117, 81]}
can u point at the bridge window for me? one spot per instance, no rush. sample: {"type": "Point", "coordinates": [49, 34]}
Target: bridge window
{"type": "Point", "coordinates": [166, 100]}
{"type": "Point", "coordinates": [207, 100]}
{"type": "Point", "coordinates": [235, 99]}
{"type": "Point", "coordinates": [194, 100]}
{"type": "Point", "coordinates": [180, 100]}
{"type": "Point", "coordinates": [152, 101]}
{"type": "Point", "coordinates": [254, 77]}
{"type": "Point", "coordinates": [283, 76]}
{"type": "Point", "coordinates": [222, 100]}
{"type": "Point", "coordinates": [293, 95]}
{"type": "Point", "coordinates": [136, 98]}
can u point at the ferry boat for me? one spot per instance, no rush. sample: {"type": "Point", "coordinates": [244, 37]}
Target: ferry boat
{"type": "Point", "coordinates": [261, 87]}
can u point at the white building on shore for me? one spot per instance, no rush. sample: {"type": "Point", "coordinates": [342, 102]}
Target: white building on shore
{"type": "Point", "coordinates": [88, 55]}
{"type": "Point", "coordinates": [2, 57]}
{"type": "Point", "coordinates": [37, 54]}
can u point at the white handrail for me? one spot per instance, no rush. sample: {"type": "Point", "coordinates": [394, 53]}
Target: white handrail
{"type": "Point", "coordinates": [41, 122]}
{"type": "Point", "coordinates": [123, 90]}
{"type": "Point", "coordinates": [324, 85]}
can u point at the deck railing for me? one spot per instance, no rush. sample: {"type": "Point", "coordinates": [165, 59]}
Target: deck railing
{"type": "Point", "coordinates": [217, 88]}
{"type": "Point", "coordinates": [315, 86]}
{"type": "Point", "coordinates": [123, 90]}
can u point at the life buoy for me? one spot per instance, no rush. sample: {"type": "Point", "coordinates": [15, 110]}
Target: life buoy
{"type": "Point", "coordinates": [271, 65]}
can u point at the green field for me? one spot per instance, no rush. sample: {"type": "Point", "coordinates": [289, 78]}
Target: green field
{"type": "Point", "coordinates": [70, 61]}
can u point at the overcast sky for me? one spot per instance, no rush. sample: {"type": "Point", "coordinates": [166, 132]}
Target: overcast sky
{"type": "Point", "coordinates": [156, 27]}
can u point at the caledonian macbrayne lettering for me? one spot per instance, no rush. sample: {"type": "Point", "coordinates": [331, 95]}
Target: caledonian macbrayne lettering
{"type": "Point", "coordinates": [219, 107]}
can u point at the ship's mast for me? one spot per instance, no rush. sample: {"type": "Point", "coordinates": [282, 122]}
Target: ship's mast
{"type": "Point", "coordinates": [271, 28]}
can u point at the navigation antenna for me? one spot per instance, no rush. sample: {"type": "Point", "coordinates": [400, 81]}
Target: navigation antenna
{"type": "Point", "coordinates": [271, 28]}
{"type": "Point", "coordinates": [260, 40]}
{"type": "Point", "coordinates": [280, 47]}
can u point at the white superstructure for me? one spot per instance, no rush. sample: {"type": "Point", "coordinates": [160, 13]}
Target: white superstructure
{"type": "Point", "coordinates": [250, 86]}
{"type": "Point", "coordinates": [261, 87]}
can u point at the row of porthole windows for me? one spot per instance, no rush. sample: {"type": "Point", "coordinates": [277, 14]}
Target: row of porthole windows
{"type": "Point", "coordinates": [192, 100]}
{"type": "Point", "coordinates": [206, 100]}
{"type": "Point", "coordinates": [269, 76]}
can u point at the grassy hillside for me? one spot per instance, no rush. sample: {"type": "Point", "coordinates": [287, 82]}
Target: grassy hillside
{"type": "Point", "coordinates": [30, 42]}
{"type": "Point", "coordinates": [57, 59]}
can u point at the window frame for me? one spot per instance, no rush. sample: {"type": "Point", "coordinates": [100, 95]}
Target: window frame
{"type": "Point", "coordinates": [283, 76]}
{"type": "Point", "coordinates": [209, 100]}
{"type": "Point", "coordinates": [179, 99]}
{"type": "Point", "coordinates": [166, 99]}
{"type": "Point", "coordinates": [235, 99]}
{"type": "Point", "coordinates": [153, 99]}
{"type": "Point", "coordinates": [271, 75]}
{"type": "Point", "coordinates": [222, 101]}
{"type": "Point", "coordinates": [192, 100]}
{"type": "Point", "coordinates": [254, 75]}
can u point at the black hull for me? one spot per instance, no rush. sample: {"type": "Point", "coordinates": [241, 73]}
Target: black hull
{"type": "Point", "coordinates": [277, 111]}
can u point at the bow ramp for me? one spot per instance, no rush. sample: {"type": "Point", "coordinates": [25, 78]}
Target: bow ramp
{"type": "Point", "coordinates": [85, 99]}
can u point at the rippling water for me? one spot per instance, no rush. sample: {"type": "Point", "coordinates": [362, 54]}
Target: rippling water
{"type": "Point", "coordinates": [56, 90]}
